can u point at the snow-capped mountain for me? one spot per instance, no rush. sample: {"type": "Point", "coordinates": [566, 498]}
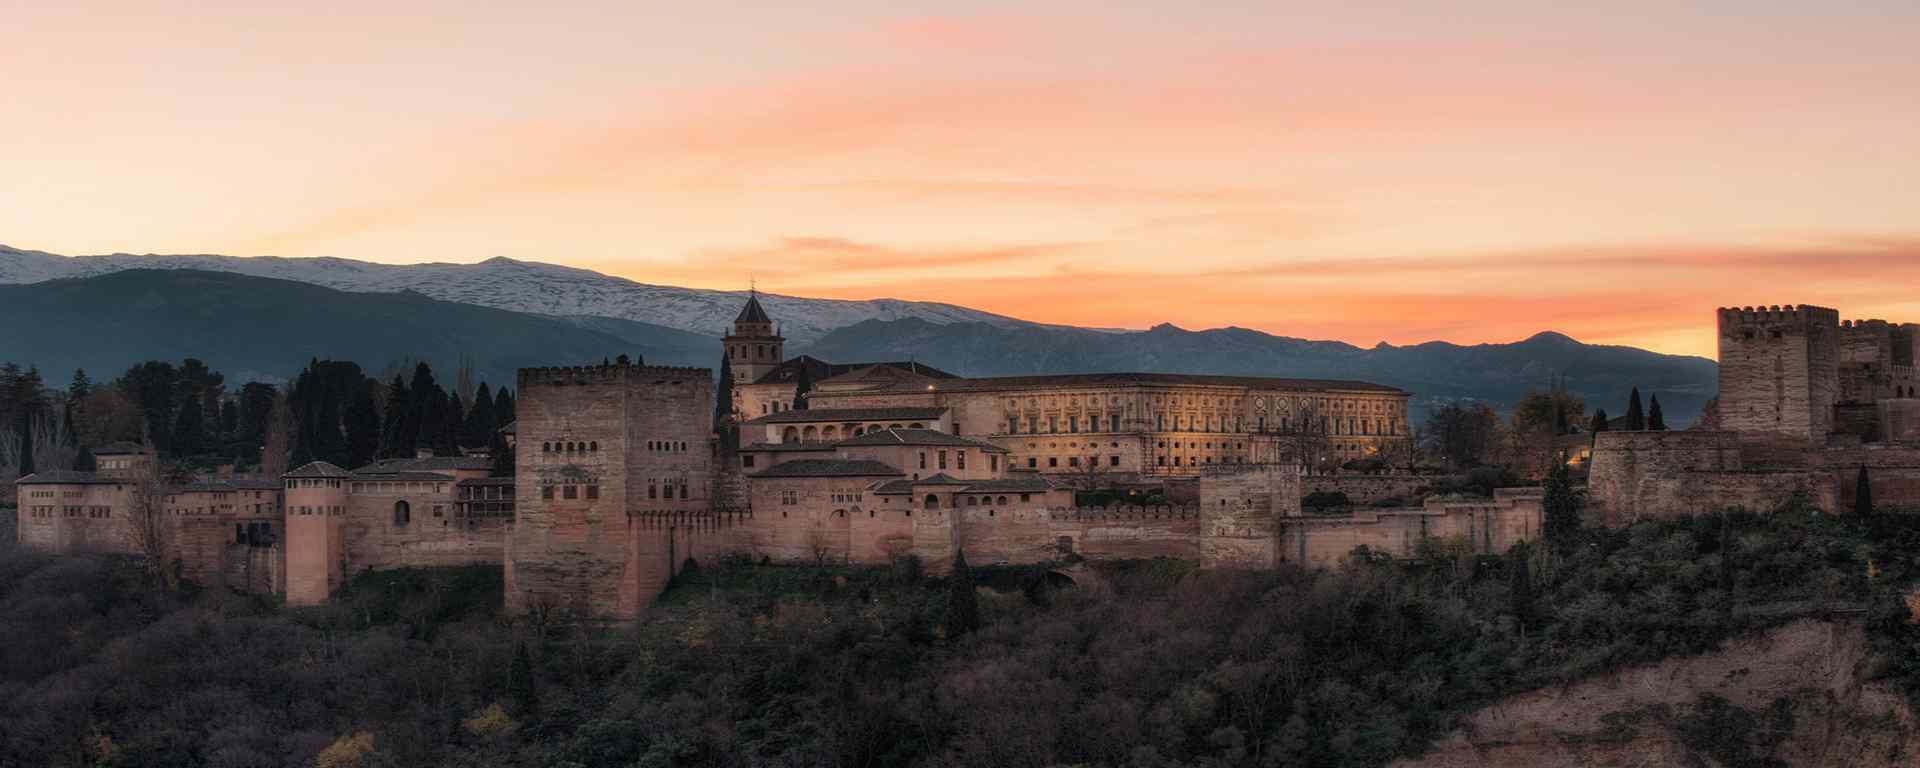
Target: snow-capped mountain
{"type": "Point", "coordinates": [520, 286]}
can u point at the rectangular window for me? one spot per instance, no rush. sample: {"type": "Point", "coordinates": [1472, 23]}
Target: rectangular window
{"type": "Point", "coordinates": [593, 491]}
{"type": "Point", "coordinates": [1032, 462]}
{"type": "Point", "coordinates": [747, 460]}
{"type": "Point", "coordinates": [570, 492]}
{"type": "Point", "coordinates": [961, 457]}
{"type": "Point", "coordinates": [923, 459]}
{"type": "Point", "coordinates": [1073, 461]}
{"type": "Point", "coordinates": [943, 459]}
{"type": "Point", "coordinates": [1013, 425]}
{"type": "Point", "coordinates": [653, 491]}
{"type": "Point", "coordinates": [1093, 423]}
{"type": "Point", "coordinates": [993, 463]}
{"type": "Point", "coordinates": [1073, 423]}
{"type": "Point", "coordinates": [1053, 461]}
{"type": "Point", "coordinates": [1113, 461]}
{"type": "Point", "coordinates": [546, 492]}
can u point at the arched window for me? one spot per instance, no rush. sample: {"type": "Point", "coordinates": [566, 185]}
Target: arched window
{"type": "Point", "coordinates": [402, 514]}
{"type": "Point", "coordinates": [933, 502]}
{"type": "Point", "coordinates": [791, 435]}
{"type": "Point", "coordinates": [917, 425]}
{"type": "Point", "coordinates": [593, 445]}
{"type": "Point", "coordinates": [810, 434]}
{"type": "Point", "coordinates": [1002, 501]}
{"type": "Point", "coordinates": [546, 447]}
{"type": "Point", "coordinates": [973, 501]}
{"type": "Point", "coordinates": [830, 433]}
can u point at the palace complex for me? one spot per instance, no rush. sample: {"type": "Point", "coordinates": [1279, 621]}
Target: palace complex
{"type": "Point", "coordinates": [626, 472]}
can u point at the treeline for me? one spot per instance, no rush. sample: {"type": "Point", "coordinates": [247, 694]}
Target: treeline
{"type": "Point", "coordinates": [189, 416]}
{"type": "Point", "coordinates": [1148, 664]}
{"type": "Point", "coordinates": [1465, 436]}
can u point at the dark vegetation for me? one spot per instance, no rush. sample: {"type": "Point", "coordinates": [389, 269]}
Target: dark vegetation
{"type": "Point", "coordinates": [1144, 663]}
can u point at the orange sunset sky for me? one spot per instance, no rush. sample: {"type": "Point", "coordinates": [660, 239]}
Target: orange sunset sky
{"type": "Point", "coordinates": [1469, 171]}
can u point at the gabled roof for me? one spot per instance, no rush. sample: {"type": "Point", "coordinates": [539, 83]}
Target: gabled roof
{"type": "Point", "coordinates": [851, 415]}
{"type": "Point", "coordinates": [942, 479]}
{"type": "Point", "coordinates": [919, 437]}
{"type": "Point", "coordinates": [830, 468]}
{"type": "Point", "coordinates": [1012, 485]}
{"type": "Point", "coordinates": [319, 469]}
{"type": "Point", "coordinates": [753, 312]}
{"type": "Point", "coordinates": [803, 447]}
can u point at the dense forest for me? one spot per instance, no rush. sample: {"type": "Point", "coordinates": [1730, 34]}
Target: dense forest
{"type": "Point", "coordinates": [1144, 663]}
{"type": "Point", "coordinates": [331, 410]}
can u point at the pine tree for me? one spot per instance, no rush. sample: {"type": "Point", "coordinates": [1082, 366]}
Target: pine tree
{"type": "Point", "coordinates": [330, 445]}
{"type": "Point", "coordinates": [963, 604]}
{"type": "Point", "coordinates": [802, 387]}
{"type": "Point", "coordinates": [1863, 494]}
{"type": "Point", "coordinates": [1560, 508]}
{"type": "Point", "coordinates": [1655, 420]}
{"type": "Point", "coordinates": [423, 411]}
{"type": "Point", "coordinates": [452, 421]}
{"type": "Point", "coordinates": [503, 406]}
{"type": "Point", "coordinates": [81, 386]}
{"type": "Point", "coordinates": [395, 443]}
{"type": "Point", "coordinates": [480, 424]}
{"type": "Point", "coordinates": [1636, 419]}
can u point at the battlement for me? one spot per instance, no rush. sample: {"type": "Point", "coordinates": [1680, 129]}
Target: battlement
{"type": "Point", "coordinates": [1777, 313]}
{"type": "Point", "coordinates": [603, 374]}
{"type": "Point", "coordinates": [1873, 324]}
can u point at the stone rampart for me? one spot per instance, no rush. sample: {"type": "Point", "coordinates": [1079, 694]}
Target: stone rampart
{"type": "Point", "coordinates": [1488, 527]}
{"type": "Point", "coordinates": [1637, 474]}
{"type": "Point", "coordinates": [1368, 489]}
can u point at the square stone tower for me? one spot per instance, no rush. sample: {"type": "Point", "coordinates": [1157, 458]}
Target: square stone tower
{"type": "Point", "coordinates": [598, 447]}
{"type": "Point", "coordinates": [1779, 370]}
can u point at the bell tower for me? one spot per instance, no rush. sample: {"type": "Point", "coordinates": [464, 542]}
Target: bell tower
{"type": "Point", "coordinates": [754, 348]}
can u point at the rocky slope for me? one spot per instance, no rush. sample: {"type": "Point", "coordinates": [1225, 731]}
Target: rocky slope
{"type": "Point", "coordinates": [519, 286]}
{"type": "Point", "coordinates": [1793, 696]}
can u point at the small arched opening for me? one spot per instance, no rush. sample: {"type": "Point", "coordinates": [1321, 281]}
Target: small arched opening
{"type": "Point", "coordinates": [402, 513]}
{"type": "Point", "coordinates": [791, 435]}
{"type": "Point", "coordinates": [932, 502]}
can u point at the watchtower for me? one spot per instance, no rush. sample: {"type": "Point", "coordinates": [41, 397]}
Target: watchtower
{"type": "Point", "coordinates": [755, 347]}
{"type": "Point", "coordinates": [1779, 370]}
{"type": "Point", "coordinates": [316, 508]}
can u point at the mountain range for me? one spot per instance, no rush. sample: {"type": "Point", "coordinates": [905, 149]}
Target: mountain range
{"type": "Point", "coordinates": [520, 286]}
{"type": "Point", "coordinates": [265, 317]}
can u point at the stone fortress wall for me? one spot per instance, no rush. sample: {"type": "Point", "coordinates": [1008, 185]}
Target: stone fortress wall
{"type": "Point", "coordinates": [1806, 401]}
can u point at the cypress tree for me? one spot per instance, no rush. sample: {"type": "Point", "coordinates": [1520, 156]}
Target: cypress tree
{"type": "Point", "coordinates": [480, 423]}
{"type": "Point", "coordinates": [1636, 419]}
{"type": "Point", "coordinates": [1655, 420]}
{"type": "Point", "coordinates": [1863, 494]}
{"type": "Point", "coordinates": [451, 423]}
{"type": "Point", "coordinates": [26, 441]}
{"type": "Point", "coordinates": [395, 443]}
{"type": "Point", "coordinates": [1520, 597]}
{"type": "Point", "coordinates": [329, 445]}
{"type": "Point", "coordinates": [1561, 509]}
{"type": "Point", "coordinates": [502, 455]}
{"type": "Point", "coordinates": [189, 429]}
{"type": "Point", "coordinates": [723, 395]}
{"type": "Point", "coordinates": [520, 682]}
{"type": "Point", "coordinates": [363, 427]}
{"type": "Point", "coordinates": [803, 386]}
{"type": "Point", "coordinates": [963, 604]}
{"type": "Point", "coordinates": [423, 409]}
{"type": "Point", "coordinates": [503, 407]}
{"type": "Point", "coordinates": [1599, 424]}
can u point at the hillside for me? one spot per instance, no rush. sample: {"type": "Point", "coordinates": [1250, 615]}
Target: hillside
{"type": "Point", "coordinates": [253, 327]}
{"type": "Point", "coordinates": [519, 286]}
{"type": "Point", "coordinates": [1436, 372]}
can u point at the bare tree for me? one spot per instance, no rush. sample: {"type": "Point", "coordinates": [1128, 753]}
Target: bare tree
{"type": "Point", "coordinates": [1089, 475]}
{"type": "Point", "coordinates": [53, 446]}
{"type": "Point", "coordinates": [279, 440]}
{"type": "Point", "coordinates": [149, 533]}
{"type": "Point", "coordinates": [1302, 439]}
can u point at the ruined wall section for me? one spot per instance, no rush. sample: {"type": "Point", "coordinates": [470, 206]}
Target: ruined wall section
{"type": "Point", "coordinates": [1779, 370]}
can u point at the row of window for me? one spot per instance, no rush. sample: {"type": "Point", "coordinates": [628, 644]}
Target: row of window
{"type": "Point", "coordinates": [960, 459]}
{"type": "Point", "coordinates": [398, 486]}
{"type": "Point", "coordinates": [312, 482]}
{"type": "Point", "coordinates": [570, 446]}
{"type": "Point", "coordinates": [326, 511]}
{"type": "Point", "coordinates": [1072, 461]}
{"type": "Point", "coordinates": [666, 446]}
{"type": "Point", "coordinates": [830, 433]}
{"type": "Point", "coordinates": [571, 491]}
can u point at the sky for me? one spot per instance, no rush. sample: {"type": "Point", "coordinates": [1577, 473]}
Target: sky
{"type": "Point", "coordinates": [1473, 171]}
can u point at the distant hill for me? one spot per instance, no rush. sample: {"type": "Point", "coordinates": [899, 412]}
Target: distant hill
{"type": "Point", "coordinates": [254, 327]}
{"type": "Point", "coordinates": [1436, 372]}
{"type": "Point", "coordinates": [520, 286]}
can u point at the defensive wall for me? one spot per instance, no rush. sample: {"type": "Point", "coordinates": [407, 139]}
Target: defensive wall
{"type": "Point", "coordinates": [1487, 527]}
{"type": "Point", "coordinates": [1365, 490]}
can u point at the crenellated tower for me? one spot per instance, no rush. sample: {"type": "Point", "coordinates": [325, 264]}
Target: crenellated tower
{"type": "Point", "coordinates": [1779, 370]}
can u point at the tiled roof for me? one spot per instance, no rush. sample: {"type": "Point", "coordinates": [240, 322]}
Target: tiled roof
{"type": "Point", "coordinates": [1122, 379]}
{"type": "Point", "coordinates": [821, 370]}
{"type": "Point", "coordinates": [801, 447]}
{"type": "Point", "coordinates": [118, 448]}
{"type": "Point", "coordinates": [829, 468]}
{"type": "Point", "coordinates": [403, 476]}
{"type": "Point", "coordinates": [849, 415]}
{"type": "Point", "coordinates": [919, 437]}
{"type": "Point", "coordinates": [1011, 484]}
{"type": "Point", "coordinates": [941, 479]}
{"type": "Point", "coordinates": [66, 477]}
{"type": "Point", "coordinates": [752, 312]}
{"type": "Point", "coordinates": [901, 487]}
{"type": "Point", "coordinates": [318, 469]}
{"type": "Point", "coordinates": [220, 486]}
{"type": "Point", "coordinates": [429, 464]}
{"type": "Point", "coordinates": [476, 481]}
